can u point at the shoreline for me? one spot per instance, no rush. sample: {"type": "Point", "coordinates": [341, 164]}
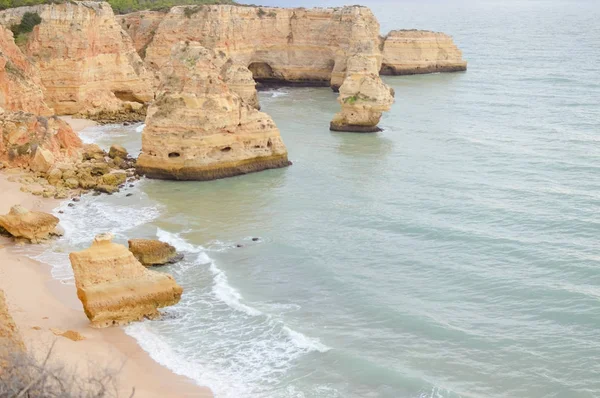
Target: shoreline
{"type": "Point", "coordinates": [38, 302]}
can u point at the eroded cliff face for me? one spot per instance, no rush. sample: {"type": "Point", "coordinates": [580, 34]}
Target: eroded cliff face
{"type": "Point", "coordinates": [409, 52]}
{"type": "Point", "coordinates": [36, 142]}
{"type": "Point", "coordinates": [363, 97]}
{"type": "Point", "coordinates": [200, 129]}
{"type": "Point", "coordinates": [87, 64]}
{"type": "Point", "coordinates": [295, 45]}
{"type": "Point", "coordinates": [20, 84]}
{"type": "Point", "coordinates": [115, 289]}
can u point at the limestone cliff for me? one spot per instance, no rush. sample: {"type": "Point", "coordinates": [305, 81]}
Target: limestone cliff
{"type": "Point", "coordinates": [34, 226]}
{"type": "Point", "coordinates": [20, 84]}
{"type": "Point", "coordinates": [115, 289]}
{"type": "Point", "coordinates": [87, 63]}
{"type": "Point", "coordinates": [363, 97]}
{"type": "Point", "coordinates": [408, 52]}
{"type": "Point", "coordinates": [199, 129]}
{"type": "Point", "coordinates": [36, 142]}
{"type": "Point", "coordinates": [291, 45]}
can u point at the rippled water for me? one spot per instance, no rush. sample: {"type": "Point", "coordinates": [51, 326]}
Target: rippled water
{"type": "Point", "coordinates": [454, 254]}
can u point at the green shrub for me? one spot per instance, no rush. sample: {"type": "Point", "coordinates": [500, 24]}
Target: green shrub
{"type": "Point", "coordinates": [28, 22]}
{"type": "Point", "coordinates": [261, 13]}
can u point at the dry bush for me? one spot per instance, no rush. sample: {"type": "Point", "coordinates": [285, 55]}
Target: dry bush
{"type": "Point", "coordinates": [22, 375]}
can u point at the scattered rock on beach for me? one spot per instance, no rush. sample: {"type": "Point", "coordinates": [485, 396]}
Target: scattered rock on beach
{"type": "Point", "coordinates": [153, 252]}
{"type": "Point", "coordinates": [34, 226]}
{"type": "Point", "coordinates": [115, 288]}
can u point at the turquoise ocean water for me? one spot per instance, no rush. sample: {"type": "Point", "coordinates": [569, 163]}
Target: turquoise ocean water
{"type": "Point", "coordinates": [454, 254]}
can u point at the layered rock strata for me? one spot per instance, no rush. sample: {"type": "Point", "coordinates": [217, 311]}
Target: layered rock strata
{"type": "Point", "coordinates": [409, 52]}
{"type": "Point", "coordinates": [199, 129]}
{"type": "Point", "coordinates": [294, 46]}
{"type": "Point", "coordinates": [115, 289]}
{"type": "Point", "coordinates": [363, 97]}
{"type": "Point", "coordinates": [87, 63]}
{"type": "Point", "coordinates": [153, 252]}
{"type": "Point", "coordinates": [20, 84]}
{"type": "Point", "coordinates": [35, 226]}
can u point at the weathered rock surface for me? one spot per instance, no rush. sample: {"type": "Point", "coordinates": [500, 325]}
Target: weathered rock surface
{"type": "Point", "coordinates": [115, 289]}
{"type": "Point", "coordinates": [34, 226]}
{"type": "Point", "coordinates": [153, 252]}
{"type": "Point", "coordinates": [408, 52]}
{"type": "Point", "coordinates": [199, 129]}
{"type": "Point", "coordinates": [290, 45]}
{"type": "Point", "coordinates": [87, 63]}
{"type": "Point", "coordinates": [36, 142]}
{"type": "Point", "coordinates": [20, 84]}
{"type": "Point", "coordinates": [9, 334]}
{"type": "Point", "coordinates": [363, 97]}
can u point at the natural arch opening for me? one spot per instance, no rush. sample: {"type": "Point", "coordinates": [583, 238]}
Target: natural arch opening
{"type": "Point", "coordinates": [261, 71]}
{"type": "Point", "coordinates": [387, 70]}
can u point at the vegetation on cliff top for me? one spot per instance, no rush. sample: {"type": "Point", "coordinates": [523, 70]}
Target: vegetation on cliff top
{"type": "Point", "coordinates": [121, 6]}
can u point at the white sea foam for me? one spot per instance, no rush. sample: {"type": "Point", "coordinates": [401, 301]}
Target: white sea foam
{"type": "Point", "coordinates": [213, 337]}
{"type": "Point", "coordinates": [305, 342]}
{"type": "Point", "coordinates": [140, 128]}
{"type": "Point", "coordinates": [178, 242]}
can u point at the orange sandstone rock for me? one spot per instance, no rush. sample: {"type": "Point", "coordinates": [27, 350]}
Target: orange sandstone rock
{"type": "Point", "coordinates": [20, 84]}
{"type": "Point", "coordinates": [115, 289]}
{"type": "Point", "coordinates": [34, 226]}
{"type": "Point", "coordinates": [36, 142]}
{"type": "Point", "coordinates": [153, 252]}
{"type": "Point", "coordinates": [87, 63]}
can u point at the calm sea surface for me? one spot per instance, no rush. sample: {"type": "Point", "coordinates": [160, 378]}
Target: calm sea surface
{"type": "Point", "coordinates": [455, 254]}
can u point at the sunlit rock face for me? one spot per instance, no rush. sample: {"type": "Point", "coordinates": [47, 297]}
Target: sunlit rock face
{"type": "Point", "coordinates": [87, 64]}
{"type": "Point", "coordinates": [115, 288]}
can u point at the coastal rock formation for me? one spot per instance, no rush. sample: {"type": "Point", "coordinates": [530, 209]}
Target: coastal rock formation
{"type": "Point", "coordinates": [153, 252]}
{"type": "Point", "coordinates": [9, 334]}
{"type": "Point", "coordinates": [115, 289]}
{"type": "Point", "coordinates": [34, 226]}
{"type": "Point", "coordinates": [87, 63]}
{"type": "Point", "coordinates": [20, 84]}
{"type": "Point", "coordinates": [363, 96]}
{"type": "Point", "coordinates": [409, 52]}
{"type": "Point", "coordinates": [199, 129]}
{"type": "Point", "coordinates": [36, 142]}
{"type": "Point", "coordinates": [279, 45]}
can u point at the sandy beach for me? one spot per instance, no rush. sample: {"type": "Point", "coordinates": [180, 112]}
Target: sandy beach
{"type": "Point", "coordinates": [38, 303]}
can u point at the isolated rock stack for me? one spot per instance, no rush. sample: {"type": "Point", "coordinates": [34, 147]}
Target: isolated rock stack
{"type": "Point", "coordinates": [200, 129]}
{"type": "Point", "coordinates": [363, 97]}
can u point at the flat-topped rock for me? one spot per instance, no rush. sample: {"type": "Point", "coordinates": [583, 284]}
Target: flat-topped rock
{"type": "Point", "coordinates": [34, 226]}
{"type": "Point", "coordinates": [408, 52]}
{"type": "Point", "coordinates": [115, 288]}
